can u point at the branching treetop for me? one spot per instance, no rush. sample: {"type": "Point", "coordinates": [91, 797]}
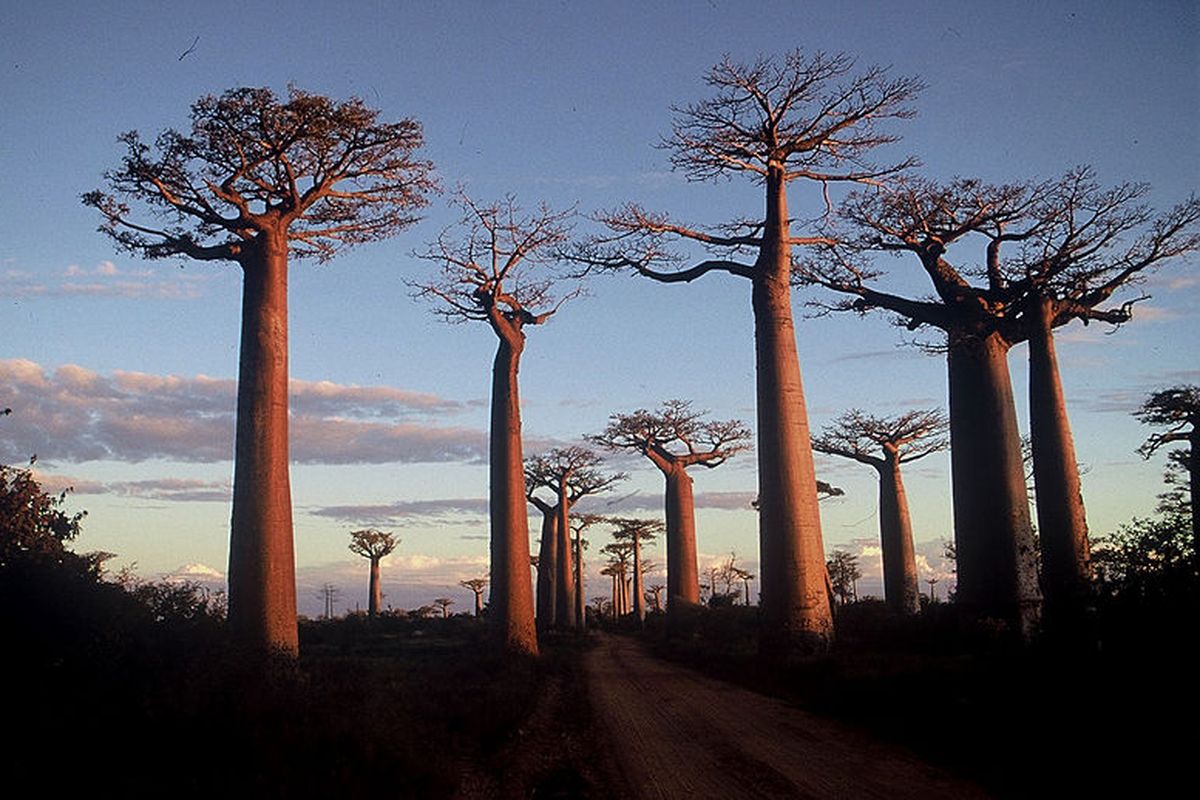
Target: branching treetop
{"type": "Point", "coordinates": [805, 116]}
{"type": "Point", "coordinates": [326, 173]}
{"type": "Point", "coordinates": [1177, 408]}
{"type": "Point", "coordinates": [675, 435]}
{"type": "Point", "coordinates": [631, 529]}
{"type": "Point", "coordinates": [1064, 241]}
{"type": "Point", "coordinates": [574, 469]}
{"type": "Point", "coordinates": [906, 437]}
{"type": "Point", "coordinates": [496, 265]}
{"type": "Point", "coordinates": [372, 543]}
{"type": "Point", "coordinates": [474, 584]}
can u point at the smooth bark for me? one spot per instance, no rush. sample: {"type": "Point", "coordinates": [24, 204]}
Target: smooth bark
{"type": "Point", "coordinates": [683, 576]}
{"type": "Point", "coordinates": [796, 617]}
{"type": "Point", "coordinates": [374, 590]}
{"type": "Point", "coordinates": [512, 592]}
{"type": "Point", "coordinates": [997, 575]}
{"type": "Point", "coordinates": [1062, 521]}
{"type": "Point", "coordinates": [547, 557]}
{"type": "Point", "coordinates": [564, 574]}
{"type": "Point", "coordinates": [901, 590]}
{"type": "Point", "coordinates": [580, 613]}
{"type": "Point", "coordinates": [262, 570]}
{"type": "Point", "coordinates": [639, 594]}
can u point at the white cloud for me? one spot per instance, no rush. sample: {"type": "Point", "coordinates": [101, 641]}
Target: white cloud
{"type": "Point", "coordinates": [106, 279]}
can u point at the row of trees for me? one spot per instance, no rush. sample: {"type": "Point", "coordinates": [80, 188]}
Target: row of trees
{"type": "Point", "coordinates": [258, 179]}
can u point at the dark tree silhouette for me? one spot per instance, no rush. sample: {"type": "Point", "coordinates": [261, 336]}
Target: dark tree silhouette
{"type": "Point", "coordinates": [843, 575]}
{"type": "Point", "coordinates": [1177, 409]}
{"type": "Point", "coordinates": [444, 604]}
{"type": "Point", "coordinates": [32, 522]}
{"type": "Point", "coordinates": [884, 443]}
{"type": "Point", "coordinates": [498, 270]}
{"type": "Point", "coordinates": [476, 585]}
{"type": "Point", "coordinates": [258, 179]}
{"type": "Point", "coordinates": [634, 531]}
{"type": "Point", "coordinates": [675, 437]}
{"type": "Point", "coordinates": [809, 118]}
{"type": "Point", "coordinates": [579, 524]}
{"type": "Point", "coordinates": [571, 474]}
{"type": "Point", "coordinates": [373, 544]}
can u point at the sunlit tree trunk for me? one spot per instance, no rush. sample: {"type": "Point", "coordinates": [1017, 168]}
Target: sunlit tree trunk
{"type": "Point", "coordinates": [580, 613]}
{"type": "Point", "coordinates": [262, 570]}
{"type": "Point", "coordinates": [993, 537]}
{"type": "Point", "coordinates": [547, 556]}
{"type": "Point", "coordinates": [796, 617]}
{"type": "Point", "coordinates": [564, 575]}
{"type": "Point", "coordinates": [900, 588]}
{"type": "Point", "coordinates": [512, 593]}
{"type": "Point", "coordinates": [1062, 521]}
{"type": "Point", "coordinates": [639, 595]}
{"type": "Point", "coordinates": [683, 576]}
{"type": "Point", "coordinates": [375, 590]}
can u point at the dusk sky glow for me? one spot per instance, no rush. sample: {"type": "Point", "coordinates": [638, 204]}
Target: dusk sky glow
{"type": "Point", "coordinates": [120, 372]}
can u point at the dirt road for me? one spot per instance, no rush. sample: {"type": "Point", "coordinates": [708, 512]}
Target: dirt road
{"type": "Point", "coordinates": [676, 733]}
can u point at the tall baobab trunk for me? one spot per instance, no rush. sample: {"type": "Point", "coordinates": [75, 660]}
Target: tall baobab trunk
{"type": "Point", "coordinates": [1062, 521]}
{"type": "Point", "coordinates": [997, 575]}
{"type": "Point", "coordinates": [900, 588]}
{"type": "Point", "coordinates": [262, 569]}
{"type": "Point", "coordinates": [564, 583]}
{"type": "Point", "coordinates": [639, 594]}
{"type": "Point", "coordinates": [795, 610]}
{"type": "Point", "coordinates": [375, 600]}
{"type": "Point", "coordinates": [547, 556]}
{"type": "Point", "coordinates": [580, 614]}
{"type": "Point", "coordinates": [512, 594]}
{"type": "Point", "coordinates": [616, 603]}
{"type": "Point", "coordinates": [478, 604]}
{"type": "Point", "coordinates": [683, 576]}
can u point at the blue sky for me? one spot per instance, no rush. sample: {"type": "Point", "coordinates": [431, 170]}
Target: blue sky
{"type": "Point", "coordinates": [120, 371]}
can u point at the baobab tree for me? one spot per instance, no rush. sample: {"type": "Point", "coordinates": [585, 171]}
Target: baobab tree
{"type": "Point", "coordinates": [444, 604]}
{"type": "Point", "coordinates": [844, 573]}
{"type": "Point", "coordinates": [803, 118]}
{"type": "Point", "coordinates": [1178, 410]}
{"type": "Point", "coordinates": [1087, 243]}
{"type": "Point", "coordinates": [655, 591]}
{"type": "Point", "coordinates": [570, 473]}
{"type": "Point", "coordinates": [476, 585]}
{"type": "Point", "coordinates": [498, 269]}
{"type": "Point", "coordinates": [259, 179]}
{"type": "Point", "coordinates": [620, 560]}
{"type": "Point", "coordinates": [884, 443]}
{"type": "Point", "coordinates": [675, 437]}
{"type": "Point", "coordinates": [373, 545]}
{"type": "Point", "coordinates": [634, 532]}
{"type": "Point", "coordinates": [579, 524]}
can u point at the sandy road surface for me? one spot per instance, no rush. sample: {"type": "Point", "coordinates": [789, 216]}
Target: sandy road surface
{"type": "Point", "coordinates": [676, 733]}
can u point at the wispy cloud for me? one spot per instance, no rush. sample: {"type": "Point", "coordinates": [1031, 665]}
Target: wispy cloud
{"type": "Point", "coordinates": [405, 512]}
{"type": "Point", "coordinates": [173, 489]}
{"type": "Point", "coordinates": [104, 280]}
{"type": "Point", "coordinates": [74, 414]}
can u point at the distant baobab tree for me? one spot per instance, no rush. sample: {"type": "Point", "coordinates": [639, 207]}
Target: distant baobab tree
{"type": "Point", "coordinates": [444, 604]}
{"type": "Point", "coordinates": [655, 591]}
{"type": "Point", "coordinates": [634, 531]}
{"type": "Point", "coordinates": [570, 474]}
{"type": "Point", "coordinates": [256, 180]}
{"type": "Point", "coordinates": [497, 268]}
{"type": "Point", "coordinates": [579, 524]}
{"type": "Point", "coordinates": [843, 575]}
{"type": "Point", "coordinates": [675, 437]}
{"type": "Point", "coordinates": [374, 545]}
{"type": "Point", "coordinates": [476, 585]}
{"type": "Point", "coordinates": [329, 595]}
{"type": "Point", "coordinates": [884, 443]}
{"type": "Point", "coordinates": [1059, 233]}
{"type": "Point", "coordinates": [810, 118]}
{"type": "Point", "coordinates": [1178, 410]}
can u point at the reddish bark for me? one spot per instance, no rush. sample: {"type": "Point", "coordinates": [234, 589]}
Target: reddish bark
{"type": "Point", "coordinates": [547, 560]}
{"type": "Point", "coordinates": [900, 587]}
{"type": "Point", "coordinates": [564, 572]}
{"type": "Point", "coordinates": [993, 537]}
{"type": "Point", "coordinates": [262, 573]}
{"type": "Point", "coordinates": [683, 576]}
{"type": "Point", "coordinates": [512, 593]}
{"type": "Point", "coordinates": [374, 590]}
{"type": "Point", "coordinates": [796, 616]}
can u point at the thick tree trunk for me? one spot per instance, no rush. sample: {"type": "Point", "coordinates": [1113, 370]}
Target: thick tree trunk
{"type": "Point", "coordinates": [262, 569]}
{"type": "Point", "coordinates": [997, 575]}
{"type": "Point", "coordinates": [639, 595]}
{"type": "Point", "coordinates": [1062, 522]}
{"type": "Point", "coordinates": [512, 593]}
{"type": "Point", "coordinates": [478, 604]}
{"type": "Point", "coordinates": [564, 575]}
{"type": "Point", "coordinates": [796, 617]}
{"type": "Point", "coordinates": [547, 556]}
{"type": "Point", "coordinates": [375, 598]}
{"type": "Point", "coordinates": [580, 615]}
{"type": "Point", "coordinates": [900, 588]}
{"type": "Point", "coordinates": [683, 576]}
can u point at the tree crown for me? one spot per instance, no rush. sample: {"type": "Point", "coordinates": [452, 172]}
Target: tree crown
{"type": "Point", "coordinates": [861, 436]}
{"type": "Point", "coordinates": [1177, 409]}
{"type": "Point", "coordinates": [574, 470]}
{"type": "Point", "coordinates": [675, 433]}
{"type": "Point", "coordinates": [373, 543]}
{"type": "Point", "coordinates": [326, 173]}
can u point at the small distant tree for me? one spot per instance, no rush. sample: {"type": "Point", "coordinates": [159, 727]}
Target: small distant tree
{"type": "Point", "coordinates": [476, 585]}
{"type": "Point", "coordinates": [498, 269]}
{"type": "Point", "coordinates": [256, 180]}
{"type": "Point", "coordinates": [634, 532]}
{"type": "Point", "coordinates": [884, 443]}
{"type": "Point", "coordinates": [843, 575]}
{"type": "Point", "coordinates": [674, 438]}
{"type": "Point", "coordinates": [655, 593]}
{"type": "Point", "coordinates": [1177, 409]}
{"type": "Point", "coordinates": [373, 545]}
{"type": "Point", "coordinates": [444, 604]}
